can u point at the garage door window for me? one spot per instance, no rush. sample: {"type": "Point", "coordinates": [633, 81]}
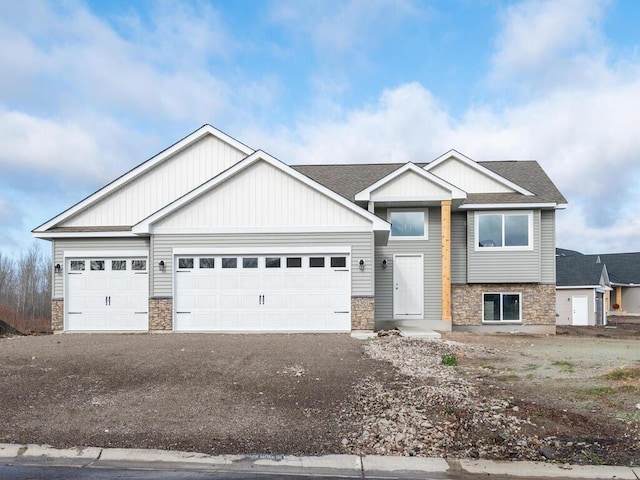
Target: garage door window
{"type": "Point", "coordinates": [139, 265]}
{"type": "Point", "coordinates": [229, 263]}
{"type": "Point", "coordinates": [207, 262]}
{"type": "Point", "coordinates": [294, 262]}
{"type": "Point", "coordinates": [97, 264]}
{"type": "Point", "coordinates": [316, 262]}
{"type": "Point", "coordinates": [272, 262]}
{"type": "Point", "coordinates": [185, 263]}
{"type": "Point", "coordinates": [77, 265]}
{"type": "Point", "coordinates": [118, 264]}
{"type": "Point", "coordinates": [338, 262]}
{"type": "Point", "coordinates": [250, 262]}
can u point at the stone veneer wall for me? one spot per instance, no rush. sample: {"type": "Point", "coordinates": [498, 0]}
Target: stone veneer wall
{"type": "Point", "coordinates": [57, 315]}
{"type": "Point", "coordinates": [160, 314]}
{"type": "Point", "coordinates": [538, 302]}
{"type": "Point", "coordinates": [362, 313]}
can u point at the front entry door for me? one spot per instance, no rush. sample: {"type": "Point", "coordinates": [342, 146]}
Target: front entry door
{"type": "Point", "coordinates": [408, 292]}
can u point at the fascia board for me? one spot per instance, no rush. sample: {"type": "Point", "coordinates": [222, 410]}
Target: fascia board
{"type": "Point", "coordinates": [493, 206]}
{"type": "Point", "coordinates": [365, 195]}
{"type": "Point", "coordinates": [142, 168]}
{"type": "Point", "coordinates": [475, 165]}
{"type": "Point", "coordinates": [51, 235]}
{"type": "Point", "coordinates": [576, 287]}
{"type": "Point", "coordinates": [145, 225]}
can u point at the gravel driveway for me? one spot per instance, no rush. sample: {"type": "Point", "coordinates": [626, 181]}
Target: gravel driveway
{"type": "Point", "coordinates": [206, 393]}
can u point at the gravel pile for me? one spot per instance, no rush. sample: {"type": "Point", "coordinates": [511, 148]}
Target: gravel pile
{"type": "Point", "coordinates": [428, 409]}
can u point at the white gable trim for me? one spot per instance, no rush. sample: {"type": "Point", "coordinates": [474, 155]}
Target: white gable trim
{"type": "Point", "coordinates": [49, 235]}
{"type": "Point", "coordinates": [141, 169]}
{"type": "Point", "coordinates": [145, 226]}
{"type": "Point", "coordinates": [493, 206]}
{"type": "Point", "coordinates": [476, 166]}
{"type": "Point", "coordinates": [365, 195]}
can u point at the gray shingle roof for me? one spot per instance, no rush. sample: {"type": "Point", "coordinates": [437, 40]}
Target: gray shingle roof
{"type": "Point", "coordinates": [622, 267]}
{"type": "Point", "coordinates": [349, 179]}
{"type": "Point", "coordinates": [578, 270]}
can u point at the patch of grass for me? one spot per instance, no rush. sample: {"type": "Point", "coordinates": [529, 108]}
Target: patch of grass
{"type": "Point", "coordinates": [489, 367]}
{"type": "Point", "coordinates": [565, 365]}
{"type": "Point", "coordinates": [628, 389]}
{"type": "Point", "coordinates": [538, 414]}
{"type": "Point", "coordinates": [506, 378]}
{"type": "Point", "coordinates": [600, 390]}
{"type": "Point", "coordinates": [633, 417]}
{"type": "Point", "coordinates": [449, 359]}
{"type": "Point", "coordinates": [624, 373]}
{"type": "Point", "coordinates": [531, 366]}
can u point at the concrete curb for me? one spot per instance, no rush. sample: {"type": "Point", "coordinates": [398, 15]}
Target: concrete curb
{"type": "Point", "coordinates": [23, 455]}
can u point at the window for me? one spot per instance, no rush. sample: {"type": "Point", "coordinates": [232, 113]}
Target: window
{"type": "Point", "coordinates": [272, 262]}
{"type": "Point", "coordinates": [338, 262]}
{"type": "Point", "coordinates": [185, 263]}
{"type": "Point", "coordinates": [408, 225]}
{"type": "Point", "coordinates": [141, 265]}
{"type": "Point", "coordinates": [511, 231]}
{"type": "Point", "coordinates": [316, 262]}
{"type": "Point", "coordinates": [97, 264]}
{"type": "Point", "coordinates": [501, 307]}
{"type": "Point", "coordinates": [206, 262]}
{"type": "Point", "coordinates": [77, 265]}
{"type": "Point", "coordinates": [230, 262]}
{"type": "Point", "coordinates": [250, 262]}
{"type": "Point", "coordinates": [294, 262]}
{"type": "Point", "coordinates": [118, 264]}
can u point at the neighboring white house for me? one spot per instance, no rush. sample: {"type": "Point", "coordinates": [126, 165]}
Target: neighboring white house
{"type": "Point", "coordinates": [211, 235]}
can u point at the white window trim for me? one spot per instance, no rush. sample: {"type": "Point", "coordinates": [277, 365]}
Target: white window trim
{"type": "Point", "coordinates": [503, 322]}
{"type": "Point", "coordinates": [425, 213]}
{"type": "Point", "coordinates": [529, 247]}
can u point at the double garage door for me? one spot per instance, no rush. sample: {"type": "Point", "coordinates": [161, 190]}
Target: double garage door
{"type": "Point", "coordinates": [107, 294]}
{"type": "Point", "coordinates": [253, 293]}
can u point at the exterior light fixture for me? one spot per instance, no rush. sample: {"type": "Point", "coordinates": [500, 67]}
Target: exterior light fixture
{"type": "Point", "coordinates": [361, 264]}
{"type": "Point", "coordinates": [384, 263]}
{"type": "Point", "coordinates": [57, 268]}
{"type": "Point", "coordinates": [162, 266]}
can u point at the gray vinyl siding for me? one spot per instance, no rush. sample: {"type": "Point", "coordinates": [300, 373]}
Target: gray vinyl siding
{"type": "Point", "coordinates": [90, 244]}
{"type": "Point", "coordinates": [548, 246]}
{"type": "Point", "coordinates": [503, 266]}
{"type": "Point", "coordinates": [458, 248]}
{"type": "Point", "coordinates": [361, 244]}
{"type": "Point", "coordinates": [431, 249]}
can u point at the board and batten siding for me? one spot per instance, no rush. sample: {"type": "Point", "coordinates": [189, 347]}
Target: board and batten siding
{"type": "Point", "coordinates": [468, 179]}
{"type": "Point", "coordinates": [458, 248]}
{"type": "Point", "coordinates": [361, 244]}
{"type": "Point", "coordinates": [431, 249]}
{"type": "Point", "coordinates": [97, 245]}
{"type": "Point", "coordinates": [261, 196]}
{"type": "Point", "coordinates": [503, 266]}
{"type": "Point", "coordinates": [161, 185]}
{"type": "Point", "coordinates": [548, 246]}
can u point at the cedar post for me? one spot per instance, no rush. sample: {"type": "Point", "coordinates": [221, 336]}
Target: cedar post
{"type": "Point", "coordinates": [445, 220]}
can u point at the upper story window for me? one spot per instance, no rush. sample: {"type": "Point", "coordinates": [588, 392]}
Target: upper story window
{"type": "Point", "coordinates": [408, 224]}
{"type": "Point", "coordinates": [504, 231]}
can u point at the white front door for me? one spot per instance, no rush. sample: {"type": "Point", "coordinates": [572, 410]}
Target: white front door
{"type": "Point", "coordinates": [107, 294]}
{"type": "Point", "coordinates": [580, 310]}
{"type": "Point", "coordinates": [252, 293]}
{"type": "Point", "coordinates": [408, 291]}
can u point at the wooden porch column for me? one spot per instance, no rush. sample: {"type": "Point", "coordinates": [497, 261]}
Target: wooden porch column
{"type": "Point", "coordinates": [619, 297]}
{"type": "Point", "coordinates": [445, 221]}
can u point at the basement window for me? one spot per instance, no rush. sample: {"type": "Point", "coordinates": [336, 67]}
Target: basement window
{"type": "Point", "coordinates": [501, 307]}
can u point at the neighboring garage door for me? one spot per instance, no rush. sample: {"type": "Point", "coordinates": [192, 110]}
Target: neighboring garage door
{"type": "Point", "coordinates": [295, 293]}
{"type": "Point", "coordinates": [107, 294]}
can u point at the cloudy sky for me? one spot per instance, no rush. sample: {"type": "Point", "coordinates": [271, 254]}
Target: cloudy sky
{"type": "Point", "coordinates": [89, 89]}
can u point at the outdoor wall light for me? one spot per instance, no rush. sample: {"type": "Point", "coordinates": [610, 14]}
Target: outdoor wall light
{"type": "Point", "coordinates": [162, 266]}
{"type": "Point", "coordinates": [57, 268]}
{"type": "Point", "coordinates": [384, 263]}
{"type": "Point", "coordinates": [361, 264]}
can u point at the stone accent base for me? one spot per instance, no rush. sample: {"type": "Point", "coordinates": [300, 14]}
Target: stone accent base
{"type": "Point", "coordinates": [538, 303]}
{"type": "Point", "coordinates": [57, 316]}
{"type": "Point", "coordinates": [362, 313]}
{"type": "Point", "coordinates": [160, 314]}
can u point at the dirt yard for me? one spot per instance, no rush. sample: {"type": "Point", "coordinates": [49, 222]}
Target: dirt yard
{"type": "Point", "coordinates": [566, 398]}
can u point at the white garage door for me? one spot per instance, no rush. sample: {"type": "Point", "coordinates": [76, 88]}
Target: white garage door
{"type": "Point", "coordinates": [107, 294]}
{"type": "Point", "coordinates": [294, 293]}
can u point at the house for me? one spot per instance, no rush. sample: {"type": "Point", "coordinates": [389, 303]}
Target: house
{"type": "Point", "coordinates": [591, 288]}
{"type": "Point", "coordinates": [582, 286]}
{"type": "Point", "coordinates": [211, 235]}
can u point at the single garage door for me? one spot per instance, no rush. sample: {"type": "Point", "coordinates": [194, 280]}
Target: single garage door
{"type": "Point", "coordinates": [294, 293]}
{"type": "Point", "coordinates": [107, 294]}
